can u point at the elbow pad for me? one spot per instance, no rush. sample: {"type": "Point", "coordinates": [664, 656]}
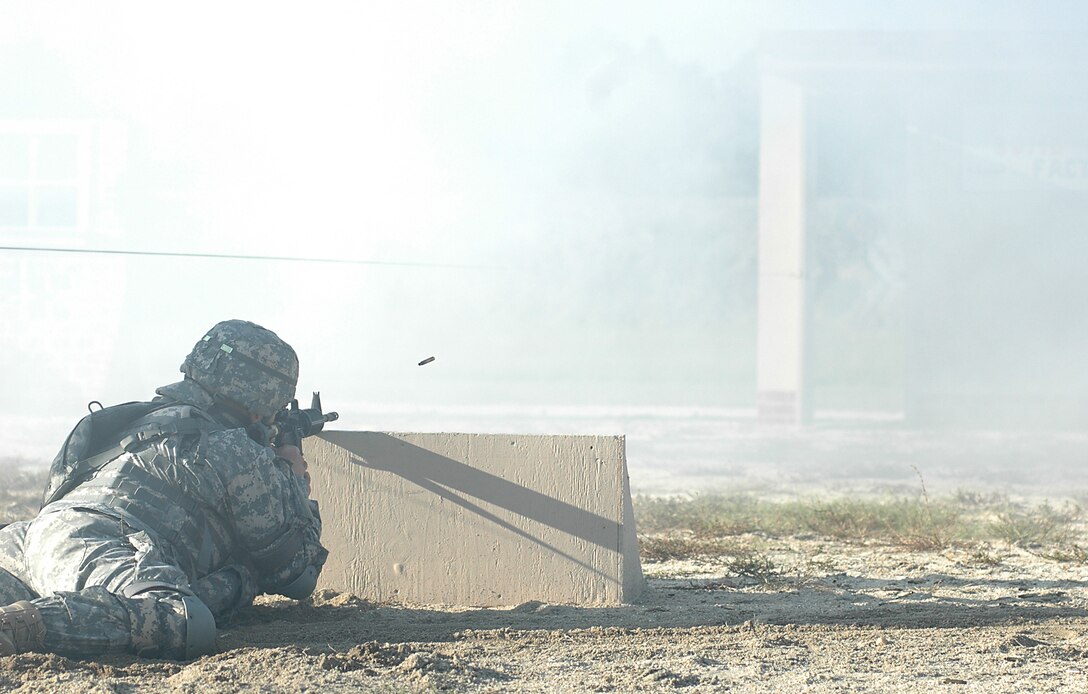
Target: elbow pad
{"type": "Point", "coordinates": [301, 587]}
{"type": "Point", "coordinates": [290, 565]}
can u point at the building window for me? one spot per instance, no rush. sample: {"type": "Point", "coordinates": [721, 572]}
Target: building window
{"type": "Point", "coordinates": [43, 178]}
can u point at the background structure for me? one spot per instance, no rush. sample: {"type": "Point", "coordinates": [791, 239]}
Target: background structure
{"type": "Point", "coordinates": [597, 217]}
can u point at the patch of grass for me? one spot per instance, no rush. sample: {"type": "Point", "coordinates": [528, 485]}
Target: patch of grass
{"type": "Point", "coordinates": [703, 516]}
{"type": "Point", "coordinates": [754, 565]}
{"type": "Point", "coordinates": [680, 545]}
{"type": "Point", "coordinates": [675, 525]}
{"type": "Point", "coordinates": [820, 567]}
{"type": "Point", "coordinates": [1072, 553]}
{"type": "Point", "coordinates": [984, 556]}
{"type": "Point", "coordinates": [973, 499]}
{"type": "Point", "coordinates": [1038, 526]}
{"type": "Point", "coordinates": [911, 523]}
{"type": "Point", "coordinates": [907, 522]}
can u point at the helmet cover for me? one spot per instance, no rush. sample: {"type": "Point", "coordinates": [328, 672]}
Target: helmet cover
{"type": "Point", "coordinates": [246, 364]}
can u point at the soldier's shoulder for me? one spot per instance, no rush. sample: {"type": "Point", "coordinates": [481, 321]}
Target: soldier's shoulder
{"type": "Point", "coordinates": [235, 443]}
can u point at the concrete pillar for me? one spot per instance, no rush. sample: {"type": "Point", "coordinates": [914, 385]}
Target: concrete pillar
{"type": "Point", "coordinates": [781, 396]}
{"type": "Point", "coordinates": [476, 519]}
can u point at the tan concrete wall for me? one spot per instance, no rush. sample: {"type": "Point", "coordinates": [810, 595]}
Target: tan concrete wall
{"type": "Point", "coordinates": [476, 519]}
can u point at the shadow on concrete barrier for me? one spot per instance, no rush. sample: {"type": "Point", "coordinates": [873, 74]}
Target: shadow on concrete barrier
{"type": "Point", "coordinates": [476, 519]}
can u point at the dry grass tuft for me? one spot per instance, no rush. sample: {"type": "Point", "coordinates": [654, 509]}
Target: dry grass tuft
{"type": "Point", "coordinates": [754, 565]}
{"type": "Point", "coordinates": [1039, 526]}
{"type": "Point", "coordinates": [677, 527]}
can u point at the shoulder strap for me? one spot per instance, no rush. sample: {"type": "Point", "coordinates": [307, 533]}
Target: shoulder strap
{"type": "Point", "coordinates": [85, 467]}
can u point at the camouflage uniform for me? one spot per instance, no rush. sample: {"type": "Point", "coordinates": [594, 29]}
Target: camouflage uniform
{"type": "Point", "coordinates": [170, 535]}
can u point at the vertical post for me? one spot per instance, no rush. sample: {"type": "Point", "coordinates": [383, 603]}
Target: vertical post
{"type": "Point", "coordinates": [780, 371]}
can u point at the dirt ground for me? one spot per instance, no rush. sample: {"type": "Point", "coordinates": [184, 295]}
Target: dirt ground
{"type": "Point", "coordinates": [830, 617]}
{"type": "Point", "coordinates": [834, 618]}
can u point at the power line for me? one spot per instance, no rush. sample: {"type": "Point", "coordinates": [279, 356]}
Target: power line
{"type": "Point", "coordinates": [227, 256]}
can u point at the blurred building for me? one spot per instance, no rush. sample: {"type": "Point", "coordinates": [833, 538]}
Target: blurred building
{"type": "Point", "coordinates": [921, 205]}
{"type": "Point", "coordinates": [59, 177]}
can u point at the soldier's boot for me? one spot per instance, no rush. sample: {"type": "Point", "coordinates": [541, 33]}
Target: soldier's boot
{"type": "Point", "coordinates": [21, 628]}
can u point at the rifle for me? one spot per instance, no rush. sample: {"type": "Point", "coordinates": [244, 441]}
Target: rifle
{"type": "Point", "coordinates": [292, 424]}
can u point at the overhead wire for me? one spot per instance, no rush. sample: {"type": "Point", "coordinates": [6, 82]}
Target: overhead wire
{"type": "Point", "coordinates": [233, 256]}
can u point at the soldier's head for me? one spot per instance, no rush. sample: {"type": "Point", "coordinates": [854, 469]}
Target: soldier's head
{"type": "Point", "coordinates": [244, 366]}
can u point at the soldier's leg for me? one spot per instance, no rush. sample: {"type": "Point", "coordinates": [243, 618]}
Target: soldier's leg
{"type": "Point", "coordinates": [12, 568]}
{"type": "Point", "coordinates": [73, 548]}
{"type": "Point", "coordinates": [12, 589]}
{"type": "Point", "coordinates": [106, 588]}
{"type": "Point", "coordinates": [93, 621]}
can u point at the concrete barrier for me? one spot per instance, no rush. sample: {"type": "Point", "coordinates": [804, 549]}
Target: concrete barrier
{"type": "Point", "coordinates": [476, 519]}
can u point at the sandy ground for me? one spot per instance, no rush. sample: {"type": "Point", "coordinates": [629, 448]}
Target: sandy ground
{"type": "Point", "coordinates": [836, 618]}
{"type": "Point", "coordinates": [832, 617]}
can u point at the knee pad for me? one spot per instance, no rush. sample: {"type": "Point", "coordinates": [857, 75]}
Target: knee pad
{"type": "Point", "coordinates": [176, 626]}
{"type": "Point", "coordinates": [133, 590]}
{"type": "Point", "coordinates": [302, 587]}
{"type": "Point", "coordinates": [199, 628]}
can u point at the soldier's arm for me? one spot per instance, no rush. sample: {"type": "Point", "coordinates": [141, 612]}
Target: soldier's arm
{"type": "Point", "coordinates": [226, 590]}
{"type": "Point", "coordinates": [274, 520]}
{"type": "Point", "coordinates": [293, 455]}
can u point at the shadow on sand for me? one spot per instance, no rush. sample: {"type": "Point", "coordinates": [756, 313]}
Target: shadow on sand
{"type": "Point", "coordinates": [918, 603]}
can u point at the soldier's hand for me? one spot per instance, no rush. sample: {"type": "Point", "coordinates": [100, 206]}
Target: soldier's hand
{"type": "Point", "coordinates": [294, 456]}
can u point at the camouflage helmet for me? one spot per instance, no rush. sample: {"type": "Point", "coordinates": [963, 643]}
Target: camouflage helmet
{"type": "Point", "coordinates": [246, 364]}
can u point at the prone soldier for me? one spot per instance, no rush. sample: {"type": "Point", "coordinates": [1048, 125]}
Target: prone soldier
{"type": "Point", "coordinates": [186, 516]}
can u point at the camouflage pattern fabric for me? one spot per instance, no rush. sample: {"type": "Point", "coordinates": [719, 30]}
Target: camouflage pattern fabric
{"type": "Point", "coordinates": [94, 621]}
{"type": "Point", "coordinates": [215, 516]}
{"type": "Point", "coordinates": [80, 561]}
{"type": "Point", "coordinates": [68, 549]}
{"type": "Point", "coordinates": [12, 588]}
{"type": "Point", "coordinates": [246, 364]}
